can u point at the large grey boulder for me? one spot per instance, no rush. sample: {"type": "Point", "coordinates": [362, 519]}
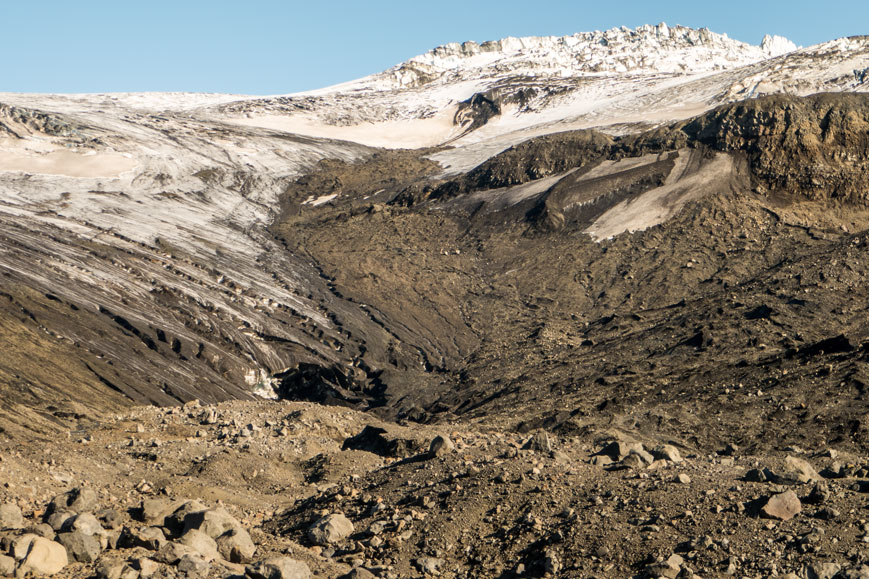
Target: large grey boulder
{"type": "Point", "coordinates": [82, 547]}
{"type": "Point", "coordinates": [330, 529]}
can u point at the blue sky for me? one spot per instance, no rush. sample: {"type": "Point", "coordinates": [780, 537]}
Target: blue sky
{"type": "Point", "coordinates": [273, 47]}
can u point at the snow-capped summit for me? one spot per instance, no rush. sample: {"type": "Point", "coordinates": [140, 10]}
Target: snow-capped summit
{"type": "Point", "coordinates": [777, 45]}
{"type": "Point", "coordinates": [647, 49]}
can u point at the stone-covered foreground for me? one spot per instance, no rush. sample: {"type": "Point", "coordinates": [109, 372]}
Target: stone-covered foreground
{"type": "Point", "coordinates": [278, 490]}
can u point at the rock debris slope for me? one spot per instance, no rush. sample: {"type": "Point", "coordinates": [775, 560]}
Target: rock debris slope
{"type": "Point", "coordinates": [522, 299]}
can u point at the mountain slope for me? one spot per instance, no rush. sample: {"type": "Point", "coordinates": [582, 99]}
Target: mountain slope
{"type": "Point", "coordinates": [164, 247]}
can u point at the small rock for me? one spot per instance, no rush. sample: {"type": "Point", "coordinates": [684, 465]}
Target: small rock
{"type": "Point", "coordinates": [539, 442]}
{"type": "Point", "coordinates": [109, 518]}
{"type": "Point", "coordinates": [551, 563]}
{"type": "Point", "coordinates": [11, 517]}
{"type": "Point", "coordinates": [278, 568]}
{"type": "Point", "coordinates": [682, 478]}
{"type": "Point", "coordinates": [441, 446]}
{"type": "Point", "coordinates": [667, 452]}
{"type": "Point", "coordinates": [171, 553]}
{"type": "Point", "coordinates": [669, 568]}
{"type": "Point", "coordinates": [429, 565]}
{"type": "Point", "coordinates": [330, 529]}
{"type": "Point", "coordinates": [194, 564]}
{"type": "Point", "coordinates": [828, 514]}
{"type": "Point", "coordinates": [783, 506]}
{"type": "Point", "coordinates": [359, 573]}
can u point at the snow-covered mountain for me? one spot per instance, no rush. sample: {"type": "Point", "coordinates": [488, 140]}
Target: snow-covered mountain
{"type": "Point", "coordinates": [647, 49]}
{"type": "Point", "coordinates": [491, 95]}
{"type": "Point", "coordinates": [178, 191]}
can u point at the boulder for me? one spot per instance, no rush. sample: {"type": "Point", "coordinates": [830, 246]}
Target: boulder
{"type": "Point", "coordinates": [7, 566]}
{"type": "Point", "coordinates": [109, 518]}
{"type": "Point", "coordinates": [236, 546]}
{"type": "Point", "coordinates": [43, 530]}
{"type": "Point", "coordinates": [667, 452]}
{"type": "Point", "coordinates": [539, 442]}
{"type": "Point", "coordinates": [194, 565]}
{"type": "Point", "coordinates": [441, 446]}
{"type": "Point", "coordinates": [212, 522]}
{"type": "Point", "coordinates": [82, 547]}
{"type": "Point", "coordinates": [78, 500]}
{"type": "Point", "coordinates": [147, 567]}
{"type": "Point", "coordinates": [21, 545]}
{"type": "Point", "coordinates": [110, 570]}
{"type": "Point", "coordinates": [154, 511]}
{"type": "Point", "coordinates": [175, 521]}
{"type": "Point", "coordinates": [43, 557]}
{"type": "Point", "coordinates": [11, 517]}
{"type": "Point", "coordinates": [151, 538]}
{"type": "Point", "coordinates": [279, 568]}
{"type": "Point", "coordinates": [822, 570]}
{"type": "Point", "coordinates": [86, 523]}
{"type": "Point", "coordinates": [58, 520]}
{"type": "Point", "coordinates": [171, 553]}
{"type": "Point", "coordinates": [200, 542]}
{"type": "Point", "coordinates": [330, 529]}
{"type": "Point", "coordinates": [796, 471]}
{"type": "Point", "coordinates": [619, 449]}
{"type": "Point", "coordinates": [783, 506]}
{"type": "Point", "coordinates": [381, 442]}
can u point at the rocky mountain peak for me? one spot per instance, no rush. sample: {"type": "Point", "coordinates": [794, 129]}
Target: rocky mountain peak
{"type": "Point", "coordinates": [647, 49]}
